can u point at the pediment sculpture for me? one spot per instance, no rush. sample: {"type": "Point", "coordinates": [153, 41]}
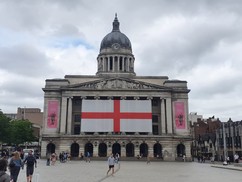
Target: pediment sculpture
{"type": "Point", "coordinates": [116, 84]}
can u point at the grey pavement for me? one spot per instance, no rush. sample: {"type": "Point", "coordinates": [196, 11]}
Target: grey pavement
{"type": "Point", "coordinates": [132, 171]}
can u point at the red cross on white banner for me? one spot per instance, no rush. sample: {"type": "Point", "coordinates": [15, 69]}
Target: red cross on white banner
{"type": "Point", "coordinates": [116, 115]}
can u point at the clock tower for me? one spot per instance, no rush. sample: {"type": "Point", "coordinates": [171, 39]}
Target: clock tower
{"type": "Point", "coordinates": [115, 58]}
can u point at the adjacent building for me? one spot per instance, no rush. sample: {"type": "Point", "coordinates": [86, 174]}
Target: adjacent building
{"type": "Point", "coordinates": [229, 136]}
{"type": "Point", "coordinates": [116, 111]}
{"type": "Point", "coordinates": [204, 137]}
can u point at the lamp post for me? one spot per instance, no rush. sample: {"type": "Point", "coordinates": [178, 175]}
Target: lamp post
{"type": "Point", "coordinates": [225, 153]}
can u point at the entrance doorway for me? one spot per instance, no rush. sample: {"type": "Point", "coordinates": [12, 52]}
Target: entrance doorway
{"type": "Point", "coordinates": [50, 149]}
{"type": "Point", "coordinates": [143, 150]}
{"type": "Point", "coordinates": [116, 148]}
{"type": "Point", "coordinates": [75, 150]}
{"type": "Point", "coordinates": [88, 148]}
{"type": "Point", "coordinates": [130, 150]}
{"type": "Point", "coordinates": [102, 150]}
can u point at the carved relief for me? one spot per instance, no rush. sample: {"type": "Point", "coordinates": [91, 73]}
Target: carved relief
{"type": "Point", "coordinates": [117, 84]}
{"type": "Point", "coordinates": [121, 84]}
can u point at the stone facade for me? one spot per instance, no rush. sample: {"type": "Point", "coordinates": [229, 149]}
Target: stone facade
{"type": "Point", "coordinates": [116, 80]}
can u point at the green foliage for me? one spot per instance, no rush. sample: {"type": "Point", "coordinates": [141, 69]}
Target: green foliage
{"type": "Point", "coordinates": [21, 131]}
{"type": "Point", "coordinates": [15, 132]}
{"type": "Point", "coordinates": [4, 128]}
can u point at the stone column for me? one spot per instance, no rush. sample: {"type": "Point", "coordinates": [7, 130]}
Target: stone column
{"type": "Point", "coordinates": [163, 117]}
{"type": "Point", "coordinates": [128, 65]}
{"type": "Point", "coordinates": [123, 151]}
{"type": "Point", "coordinates": [123, 64]}
{"type": "Point", "coordinates": [136, 149]}
{"type": "Point", "coordinates": [169, 116]}
{"type": "Point", "coordinates": [69, 116]}
{"type": "Point", "coordinates": [108, 69]}
{"type": "Point", "coordinates": [103, 64]}
{"type": "Point", "coordinates": [118, 61]}
{"type": "Point", "coordinates": [150, 150]}
{"type": "Point", "coordinates": [109, 148]}
{"type": "Point", "coordinates": [95, 150]}
{"type": "Point", "coordinates": [63, 115]}
{"type": "Point", "coordinates": [45, 115]}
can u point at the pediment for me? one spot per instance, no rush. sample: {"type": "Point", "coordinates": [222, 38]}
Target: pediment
{"type": "Point", "coordinates": [116, 83]}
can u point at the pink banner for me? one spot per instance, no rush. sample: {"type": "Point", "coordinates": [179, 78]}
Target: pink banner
{"type": "Point", "coordinates": [180, 115]}
{"type": "Point", "coordinates": [53, 107]}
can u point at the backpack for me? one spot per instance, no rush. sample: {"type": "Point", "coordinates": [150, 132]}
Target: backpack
{"type": "Point", "coordinates": [12, 164]}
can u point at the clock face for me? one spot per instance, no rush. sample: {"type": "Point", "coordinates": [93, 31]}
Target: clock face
{"type": "Point", "coordinates": [115, 46]}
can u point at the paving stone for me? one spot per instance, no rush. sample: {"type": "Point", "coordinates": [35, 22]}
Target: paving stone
{"type": "Point", "coordinates": [130, 171]}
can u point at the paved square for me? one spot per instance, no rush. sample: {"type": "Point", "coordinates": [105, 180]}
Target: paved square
{"type": "Point", "coordinates": [131, 171]}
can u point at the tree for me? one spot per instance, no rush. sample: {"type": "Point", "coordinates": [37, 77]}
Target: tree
{"type": "Point", "coordinates": [4, 128]}
{"type": "Point", "coordinates": [21, 132]}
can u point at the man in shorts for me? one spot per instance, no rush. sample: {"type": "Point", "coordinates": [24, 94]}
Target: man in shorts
{"type": "Point", "coordinates": [30, 161]}
{"type": "Point", "coordinates": [111, 162]}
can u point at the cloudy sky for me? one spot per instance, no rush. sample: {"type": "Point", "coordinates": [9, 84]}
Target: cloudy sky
{"type": "Point", "coordinates": [197, 41]}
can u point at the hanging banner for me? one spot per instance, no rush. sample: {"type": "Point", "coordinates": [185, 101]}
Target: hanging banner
{"type": "Point", "coordinates": [116, 116]}
{"type": "Point", "coordinates": [180, 118]}
{"type": "Point", "coordinates": [53, 108]}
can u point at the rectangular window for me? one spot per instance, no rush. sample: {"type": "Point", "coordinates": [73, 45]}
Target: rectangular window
{"type": "Point", "coordinates": [155, 102]}
{"type": "Point", "coordinates": [77, 118]}
{"type": "Point", "coordinates": [154, 118]}
{"type": "Point", "coordinates": [77, 130]}
{"type": "Point", "coordinates": [155, 130]}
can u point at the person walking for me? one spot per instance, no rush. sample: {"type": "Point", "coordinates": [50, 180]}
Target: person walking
{"type": "Point", "coordinates": [14, 165]}
{"type": "Point", "coordinates": [48, 159]}
{"type": "Point", "coordinates": [148, 159]}
{"type": "Point", "coordinates": [111, 162]}
{"type": "Point", "coordinates": [88, 158]}
{"type": "Point", "coordinates": [117, 158]}
{"type": "Point", "coordinates": [4, 177]}
{"type": "Point", "coordinates": [30, 161]}
{"type": "Point", "coordinates": [53, 159]}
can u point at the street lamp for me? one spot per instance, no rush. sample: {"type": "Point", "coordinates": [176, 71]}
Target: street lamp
{"type": "Point", "coordinates": [225, 147]}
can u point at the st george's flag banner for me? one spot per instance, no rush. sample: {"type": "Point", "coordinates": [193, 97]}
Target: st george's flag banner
{"type": "Point", "coordinates": [116, 116]}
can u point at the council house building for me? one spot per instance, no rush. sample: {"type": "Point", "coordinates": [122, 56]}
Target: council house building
{"type": "Point", "coordinates": [116, 111]}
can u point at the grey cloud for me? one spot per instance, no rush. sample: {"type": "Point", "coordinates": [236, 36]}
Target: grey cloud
{"type": "Point", "coordinates": [24, 60]}
{"type": "Point", "coordinates": [67, 30]}
{"type": "Point", "coordinates": [18, 86]}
